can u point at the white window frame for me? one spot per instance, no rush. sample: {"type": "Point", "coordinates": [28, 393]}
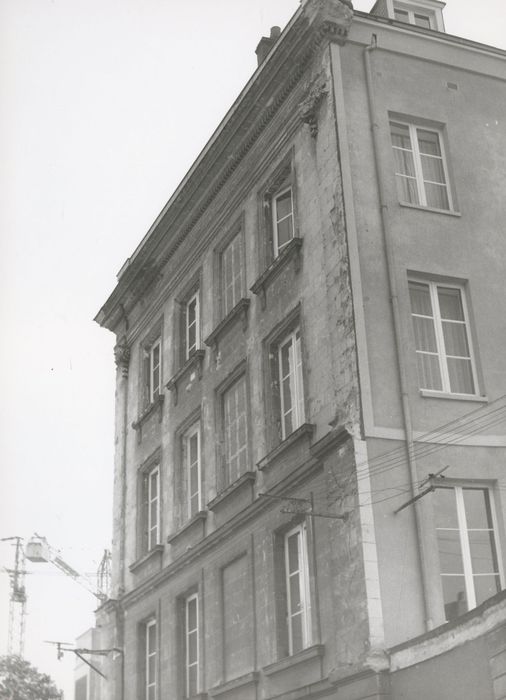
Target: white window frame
{"type": "Point", "coordinates": [275, 222]}
{"type": "Point", "coordinates": [440, 343]}
{"type": "Point", "coordinates": [236, 283]}
{"type": "Point", "coordinates": [148, 654]}
{"type": "Point", "coordinates": [187, 632]}
{"type": "Point", "coordinates": [302, 573]}
{"type": "Point", "coordinates": [154, 388]}
{"type": "Point", "coordinates": [417, 162]}
{"type": "Point", "coordinates": [189, 350]}
{"type": "Point", "coordinates": [412, 12]}
{"type": "Point", "coordinates": [464, 538]}
{"type": "Point", "coordinates": [295, 380]}
{"type": "Point", "coordinates": [153, 527]}
{"type": "Point", "coordinates": [194, 430]}
{"type": "Point", "coordinates": [231, 428]}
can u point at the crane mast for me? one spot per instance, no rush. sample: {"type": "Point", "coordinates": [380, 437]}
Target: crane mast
{"type": "Point", "coordinates": [17, 600]}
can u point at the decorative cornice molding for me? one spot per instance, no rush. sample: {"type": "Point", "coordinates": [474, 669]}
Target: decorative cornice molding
{"type": "Point", "coordinates": [240, 310]}
{"type": "Point", "coordinates": [195, 360]}
{"type": "Point", "coordinates": [291, 250]}
{"type": "Point", "coordinates": [308, 108]}
{"type": "Point", "coordinates": [157, 404]}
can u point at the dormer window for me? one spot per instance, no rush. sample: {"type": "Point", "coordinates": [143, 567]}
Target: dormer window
{"type": "Point", "coordinates": [427, 14]}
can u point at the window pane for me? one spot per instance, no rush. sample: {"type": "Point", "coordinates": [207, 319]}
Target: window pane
{"type": "Point", "coordinates": [407, 190]}
{"type": "Point", "coordinates": [483, 554]}
{"type": "Point", "coordinates": [151, 668]}
{"type": "Point", "coordinates": [461, 376]}
{"type": "Point", "coordinates": [152, 692]}
{"type": "Point", "coordinates": [450, 304]}
{"type": "Point", "coordinates": [400, 135]}
{"type": "Point", "coordinates": [295, 601]}
{"type": "Point", "coordinates": [445, 508]}
{"type": "Point", "coordinates": [485, 587]}
{"type": "Point", "coordinates": [422, 21]}
{"type": "Point", "coordinates": [192, 647]}
{"type": "Point", "coordinates": [419, 295]}
{"type": "Point", "coordinates": [151, 641]}
{"type": "Point", "coordinates": [425, 335]}
{"type": "Point", "coordinates": [477, 506]}
{"type": "Point", "coordinates": [450, 554]}
{"type": "Point", "coordinates": [428, 142]}
{"type": "Point", "coordinates": [437, 196]}
{"type": "Point", "coordinates": [454, 596]}
{"type": "Point", "coordinates": [192, 614]}
{"type": "Point", "coordinates": [293, 552]}
{"type": "Point", "coordinates": [429, 373]}
{"type": "Point", "coordinates": [432, 169]}
{"type": "Point", "coordinates": [285, 231]}
{"type": "Point", "coordinates": [404, 164]}
{"type": "Point", "coordinates": [192, 681]}
{"type": "Point", "coordinates": [297, 634]}
{"type": "Point", "coordinates": [401, 15]}
{"type": "Point", "coordinates": [455, 337]}
{"type": "Point", "coordinates": [284, 205]}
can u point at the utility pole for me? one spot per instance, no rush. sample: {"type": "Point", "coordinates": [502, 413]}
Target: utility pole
{"type": "Point", "coordinates": [17, 601]}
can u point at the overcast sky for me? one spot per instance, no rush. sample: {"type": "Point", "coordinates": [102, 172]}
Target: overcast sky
{"type": "Point", "coordinates": [105, 105]}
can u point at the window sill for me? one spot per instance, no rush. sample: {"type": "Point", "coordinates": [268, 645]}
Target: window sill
{"type": "Point", "coordinates": [195, 361]}
{"type": "Point", "coordinates": [247, 679]}
{"type": "Point", "coordinates": [448, 212]}
{"type": "Point", "coordinates": [201, 516]}
{"type": "Point", "coordinates": [316, 651]}
{"type": "Point", "coordinates": [305, 430]}
{"type": "Point", "coordinates": [148, 411]}
{"type": "Point", "coordinates": [240, 310]}
{"type": "Point", "coordinates": [153, 554]}
{"type": "Point", "coordinates": [291, 250]}
{"type": "Point", "coordinates": [248, 477]}
{"type": "Point", "coordinates": [426, 393]}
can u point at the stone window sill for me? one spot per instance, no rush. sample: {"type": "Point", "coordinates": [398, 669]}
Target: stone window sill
{"type": "Point", "coordinates": [195, 361]}
{"type": "Point", "coordinates": [153, 554]}
{"type": "Point", "coordinates": [148, 411]}
{"type": "Point", "coordinates": [433, 210]}
{"type": "Point", "coordinates": [316, 651]}
{"type": "Point", "coordinates": [240, 310]}
{"type": "Point", "coordinates": [232, 489]}
{"type": "Point", "coordinates": [426, 393]}
{"type": "Point", "coordinates": [306, 430]}
{"type": "Point", "coordinates": [291, 250]}
{"type": "Point", "coordinates": [247, 679]}
{"type": "Point", "coordinates": [199, 517]}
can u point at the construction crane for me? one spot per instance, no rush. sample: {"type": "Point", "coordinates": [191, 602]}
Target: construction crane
{"type": "Point", "coordinates": [17, 600]}
{"type": "Point", "coordinates": [39, 550]}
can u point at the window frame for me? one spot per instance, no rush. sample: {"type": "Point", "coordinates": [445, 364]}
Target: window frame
{"type": "Point", "coordinates": [441, 354]}
{"type": "Point", "coordinates": [420, 182]}
{"type": "Point", "coordinates": [190, 350]}
{"type": "Point", "coordinates": [464, 539]}
{"type": "Point", "coordinates": [236, 238]}
{"type": "Point", "coordinates": [412, 13]}
{"type": "Point", "coordinates": [227, 477]}
{"type": "Point", "coordinates": [154, 391]}
{"type": "Point", "coordinates": [295, 379]}
{"type": "Point", "coordinates": [149, 500]}
{"type": "Point", "coordinates": [303, 577]}
{"type": "Point", "coordinates": [277, 248]}
{"type": "Point", "coordinates": [148, 683]}
{"type": "Point", "coordinates": [194, 429]}
{"type": "Point", "coordinates": [187, 666]}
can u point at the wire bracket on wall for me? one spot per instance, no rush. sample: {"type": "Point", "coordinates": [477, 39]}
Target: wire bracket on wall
{"type": "Point", "coordinates": [62, 647]}
{"type": "Point", "coordinates": [303, 506]}
{"type": "Point", "coordinates": [432, 480]}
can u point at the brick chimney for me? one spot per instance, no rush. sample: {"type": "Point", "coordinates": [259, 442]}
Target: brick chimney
{"type": "Point", "coordinates": [266, 43]}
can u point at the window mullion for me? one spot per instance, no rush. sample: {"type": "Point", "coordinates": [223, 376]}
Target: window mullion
{"type": "Point", "coordinates": [417, 161]}
{"type": "Point", "coordinates": [466, 550]}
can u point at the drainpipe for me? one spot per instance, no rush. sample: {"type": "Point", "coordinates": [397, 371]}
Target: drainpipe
{"type": "Point", "coordinates": [394, 298]}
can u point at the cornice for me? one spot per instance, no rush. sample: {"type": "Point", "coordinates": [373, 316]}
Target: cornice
{"type": "Point", "coordinates": [315, 22]}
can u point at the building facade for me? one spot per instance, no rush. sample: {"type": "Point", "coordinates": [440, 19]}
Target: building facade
{"type": "Point", "coordinates": [310, 406]}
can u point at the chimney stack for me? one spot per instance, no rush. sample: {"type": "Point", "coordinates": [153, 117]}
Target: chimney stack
{"type": "Point", "coordinates": [266, 43]}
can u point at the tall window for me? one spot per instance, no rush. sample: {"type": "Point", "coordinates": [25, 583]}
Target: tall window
{"type": "Point", "coordinates": [467, 544]}
{"type": "Point", "coordinates": [443, 345]}
{"type": "Point", "coordinates": [152, 507]}
{"type": "Point", "coordinates": [191, 457]}
{"type": "Point", "coordinates": [191, 325]}
{"type": "Point", "coordinates": [297, 589]}
{"type": "Point", "coordinates": [191, 640]}
{"type": "Point", "coordinates": [154, 370]}
{"type": "Point", "coordinates": [290, 383]}
{"type": "Point", "coordinates": [420, 167]}
{"type": "Point", "coordinates": [150, 661]}
{"type": "Point", "coordinates": [232, 274]}
{"type": "Point", "coordinates": [282, 219]}
{"type": "Point", "coordinates": [235, 427]}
